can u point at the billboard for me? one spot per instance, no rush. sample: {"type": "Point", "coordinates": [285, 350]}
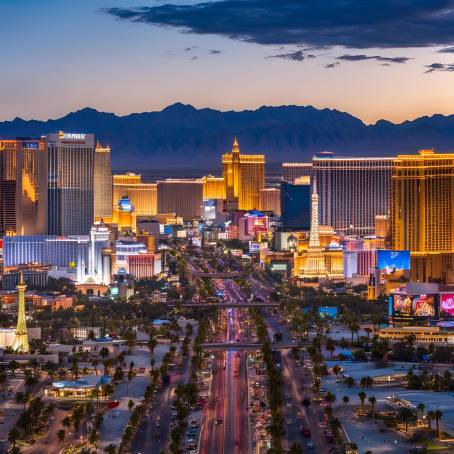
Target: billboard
{"type": "Point", "coordinates": [254, 247]}
{"type": "Point", "coordinates": [416, 306]}
{"type": "Point", "coordinates": [447, 304]}
{"type": "Point", "coordinates": [279, 267]}
{"type": "Point", "coordinates": [390, 261]}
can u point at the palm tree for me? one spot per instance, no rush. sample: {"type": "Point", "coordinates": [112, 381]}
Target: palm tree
{"type": "Point", "coordinates": [372, 400]}
{"type": "Point", "coordinates": [337, 369]}
{"type": "Point", "coordinates": [66, 422]}
{"type": "Point", "coordinates": [346, 399]}
{"type": "Point", "coordinates": [93, 439]}
{"type": "Point", "coordinates": [437, 415]}
{"type": "Point", "coordinates": [95, 363]}
{"type": "Point", "coordinates": [330, 398]}
{"type": "Point", "coordinates": [330, 346]}
{"type": "Point", "coordinates": [349, 381]}
{"type": "Point", "coordinates": [13, 436]}
{"type": "Point", "coordinates": [110, 449]}
{"type": "Point", "coordinates": [362, 397]}
{"type": "Point", "coordinates": [130, 405]}
{"type": "Point", "coordinates": [421, 408]}
{"type": "Point", "coordinates": [430, 416]}
{"type": "Point", "coordinates": [405, 415]}
{"type": "Point", "coordinates": [61, 435]}
{"type": "Point", "coordinates": [295, 449]}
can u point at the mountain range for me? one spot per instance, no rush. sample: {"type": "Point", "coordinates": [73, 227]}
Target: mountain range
{"type": "Point", "coordinates": [184, 137]}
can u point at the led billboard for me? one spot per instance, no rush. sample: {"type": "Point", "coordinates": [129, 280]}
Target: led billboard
{"type": "Point", "coordinates": [328, 311]}
{"type": "Point", "coordinates": [390, 261]}
{"type": "Point", "coordinates": [447, 304]}
{"type": "Point", "coordinates": [423, 306]}
{"type": "Point", "coordinates": [402, 305]}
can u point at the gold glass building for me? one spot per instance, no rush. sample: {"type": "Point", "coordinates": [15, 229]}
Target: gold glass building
{"type": "Point", "coordinates": [23, 187]}
{"type": "Point", "coordinates": [213, 187]}
{"type": "Point", "coordinates": [422, 212]}
{"type": "Point", "coordinates": [270, 200]}
{"type": "Point", "coordinates": [102, 185]}
{"type": "Point", "coordinates": [143, 196]}
{"type": "Point", "coordinates": [244, 177]}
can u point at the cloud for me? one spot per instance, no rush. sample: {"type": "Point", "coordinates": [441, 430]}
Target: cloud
{"type": "Point", "coordinates": [362, 57]}
{"type": "Point", "coordinates": [296, 55]}
{"type": "Point", "coordinates": [215, 52]}
{"type": "Point", "coordinates": [194, 57]}
{"type": "Point", "coordinates": [447, 50]}
{"type": "Point", "coordinates": [332, 65]}
{"type": "Point", "coordinates": [440, 67]}
{"type": "Point", "coordinates": [188, 49]}
{"type": "Point", "coordinates": [359, 24]}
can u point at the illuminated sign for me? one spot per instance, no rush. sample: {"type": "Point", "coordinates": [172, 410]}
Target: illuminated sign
{"type": "Point", "coordinates": [254, 247]}
{"type": "Point", "coordinates": [415, 305]}
{"type": "Point", "coordinates": [31, 145]}
{"type": "Point", "coordinates": [390, 261]}
{"type": "Point", "coordinates": [71, 135]}
{"type": "Point", "coordinates": [424, 306]}
{"type": "Point", "coordinates": [447, 303]}
{"type": "Point", "coordinates": [279, 267]}
{"type": "Point", "coordinates": [326, 311]}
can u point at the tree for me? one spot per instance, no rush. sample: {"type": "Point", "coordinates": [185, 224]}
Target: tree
{"type": "Point", "coordinates": [130, 405]}
{"type": "Point", "coordinates": [362, 397]}
{"type": "Point", "coordinates": [95, 363]}
{"type": "Point", "coordinates": [93, 439]}
{"type": "Point", "coordinates": [13, 436]}
{"type": "Point", "coordinates": [421, 408]}
{"type": "Point", "coordinates": [330, 346]}
{"type": "Point", "coordinates": [337, 369]}
{"type": "Point", "coordinates": [330, 398]}
{"type": "Point", "coordinates": [130, 337]}
{"type": "Point", "coordinates": [405, 416]}
{"type": "Point", "coordinates": [295, 449]}
{"type": "Point", "coordinates": [437, 415]}
{"type": "Point", "coordinates": [61, 435]}
{"type": "Point", "coordinates": [372, 401]}
{"type": "Point", "coordinates": [66, 422]}
{"type": "Point", "coordinates": [346, 399]}
{"type": "Point", "coordinates": [110, 449]}
{"type": "Point", "coordinates": [430, 416]}
{"type": "Point", "coordinates": [349, 381]}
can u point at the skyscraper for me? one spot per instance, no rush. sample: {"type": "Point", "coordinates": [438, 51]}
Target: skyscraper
{"type": "Point", "coordinates": [244, 177]}
{"type": "Point", "coordinates": [270, 200]}
{"type": "Point", "coordinates": [102, 184]}
{"type": "Point", "coordinates": [296, 205]}
{"type": "Point", "coordinates": [143, 196]}
{"type": "Point", "coordinates": [213, 187]}
{"type": "Point", "coordinates": [23, 187]}
{"type": "Point", "coordinates": [422, 215]}
{"type": "Point", "coordinates": [70, 183]}
{"type": "Point", "coordinates": [8, 178]}
{"type": "Point", "coordinates": [352, 191]}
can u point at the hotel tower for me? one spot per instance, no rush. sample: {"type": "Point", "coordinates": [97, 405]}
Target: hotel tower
{"type": "Point", "coordinates": [244, 177]}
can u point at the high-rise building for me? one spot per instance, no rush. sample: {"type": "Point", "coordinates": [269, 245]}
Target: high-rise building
{"type": "Point", "coordinates": [103, 184]}
{"type": "Point", "coordinates": [8, 178]}
{"type": "Point", "coordinates": [213, 187]}
{"type": "Point", "coordinates": [23, 187]}
{"type": "Point", "coordinates": [70, 183]}
{"type": "Point", "coordinates": [422, 215]}
{"type": "Point", "coordinates": [292, 171]}
{"type": "Point", "coordinates": [270, 200]}
{"type": "Point", "coordinates": [296, 205]}
{"type": "Point", "coordinates": [244, 177]}
{"type": "Point", "coordinates": [183, 197]}
{"type": "Point", "coordinates": [143, 196]}
{"type": "Point", "coordinates": [352, 191]}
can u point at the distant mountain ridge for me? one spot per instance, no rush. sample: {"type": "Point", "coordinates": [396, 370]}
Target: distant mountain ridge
{"type": "Point", "coordinates": [185, 137]}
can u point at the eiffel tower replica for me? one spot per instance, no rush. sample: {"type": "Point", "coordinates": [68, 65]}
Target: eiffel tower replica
{"type": "Point", "coordinates": [315, 261]}
{"type": "Point", "coordinates": [21, 336]}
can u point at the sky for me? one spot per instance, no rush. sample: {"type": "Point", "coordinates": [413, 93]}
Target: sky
{"type": "Point", "coordinates": [391, 59]}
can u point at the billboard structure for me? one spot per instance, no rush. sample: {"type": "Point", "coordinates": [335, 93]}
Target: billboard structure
{"type": "Point", "coordinates": [392, 261]}
{"type": "Point", "coordinates": [414, 306]}
{"type": "Point", "coordinates": [447, 304]}
{"type": "Point", "coordinates": [328, 311]}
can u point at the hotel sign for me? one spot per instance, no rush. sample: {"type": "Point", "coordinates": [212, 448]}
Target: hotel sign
{"type": "Point", "coordinates": [71, 136]}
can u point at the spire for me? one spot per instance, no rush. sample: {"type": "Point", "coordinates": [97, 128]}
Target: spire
{"type": "Point", "coordinates": [314, 238]}
{"type": "Point", "coordinates": [21, 279]}
{"type": "Point", "coordinates": [20, 343]}
{"type": "Point", "coordinates": [236, 148]}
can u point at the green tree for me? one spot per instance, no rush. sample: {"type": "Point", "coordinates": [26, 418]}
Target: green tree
{"type": "Point", "coordinates": [362, 397]}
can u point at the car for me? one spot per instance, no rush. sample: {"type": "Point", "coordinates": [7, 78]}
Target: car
{"type": "Point", "coordinates": [194, 423]}
{"type": "Point", "coordinates": [306, 432]}
{"type": "Point", "coordinates": [310, 444]}
{"type": "Point", "coordinates": [218, 421]}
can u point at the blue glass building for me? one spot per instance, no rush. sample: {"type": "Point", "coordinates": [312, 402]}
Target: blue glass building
{"type": "Point", "coordinates": [296, 206]}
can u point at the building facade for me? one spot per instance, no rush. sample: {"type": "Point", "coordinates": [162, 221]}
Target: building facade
{"type": "Point", "coordinates": [183, 197]}
{"type": "Point", "coordinates": [103, 184]}
{"type": "Point", "coordinates": [352, 191]}
{"type": "Point", "coordinates": [143, 196]}
{"type": "Point", "coordinates": [422, 214]}
{"type": "Point", "coordinates": [270, 200]}
{"type": "Point", "coordinates": [292, 171]}
{"type": "Point", "coordinates": [296, 206]}
{"type": "Point", "coordinates": [70, 183]}
{"type": "Point", "coordinates": [244, 177]}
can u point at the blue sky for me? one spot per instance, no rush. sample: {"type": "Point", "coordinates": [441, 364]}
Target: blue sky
{"type": "Point", "coordinates": [61, 55]}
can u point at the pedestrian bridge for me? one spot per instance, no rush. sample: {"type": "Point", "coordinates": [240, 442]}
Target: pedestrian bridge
{"type": "Point", "coordinates": [217, 275]}
{"type": "Point", "coordinates": [237, 304]}
{"type": "Point", "coordinates": [222, 346]}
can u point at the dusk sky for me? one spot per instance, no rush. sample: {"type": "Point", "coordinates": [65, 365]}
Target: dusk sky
{"type": "Point", "coordinates": [373, 59]}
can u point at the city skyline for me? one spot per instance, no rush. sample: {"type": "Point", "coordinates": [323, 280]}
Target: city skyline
{"type": "Point", "coordinates": [108, 56]}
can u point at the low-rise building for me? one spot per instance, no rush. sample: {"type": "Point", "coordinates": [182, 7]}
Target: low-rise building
{"type": "Point", "coordinates": [422, 334]}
